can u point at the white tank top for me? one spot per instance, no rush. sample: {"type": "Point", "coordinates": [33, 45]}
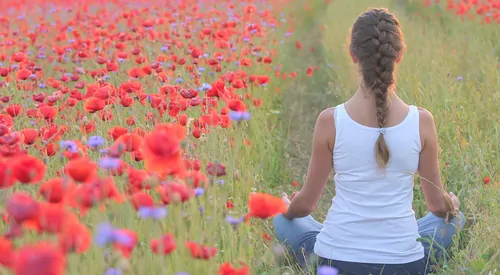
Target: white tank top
{"type": "Point", "coordinates": [371, 219]}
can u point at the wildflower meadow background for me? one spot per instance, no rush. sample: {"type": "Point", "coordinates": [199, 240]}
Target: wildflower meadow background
{"type": "Point", "coordinates": [157, 136]}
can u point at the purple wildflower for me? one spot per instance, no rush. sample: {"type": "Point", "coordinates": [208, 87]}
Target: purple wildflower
{"type": "Point", "coordinates": [234, 221]}
{"type": "Point", "coordinates": [459, 78]}
{"type": "Point", "coordinates": [239, 116]}
{"type": "Point", "coordinates": [154, 213]}
{"type": "Point", "coordinates": [104, 234]}
{"type": "Point", "coordinates": [109, 163]}
{"type": "Point", "coordinates": [69, 145]}
{"type": "Point", "coordinates": [327, 270]}
{"type": "Point", "coordinates": [107, 234]}
{"type": "Point", "coordinates": [199, 191]}
{"type": "Point", "coordinates": [95, 141]}
{"type": "Point", "coordinates": [113, 271]}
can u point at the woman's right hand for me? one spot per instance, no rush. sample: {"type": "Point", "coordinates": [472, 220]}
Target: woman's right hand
{"type": "Point", "coordinates": [455, 201]}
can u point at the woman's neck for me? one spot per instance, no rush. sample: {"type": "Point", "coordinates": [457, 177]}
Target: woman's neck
{"type": "Point", "coordinates": [364, 96]}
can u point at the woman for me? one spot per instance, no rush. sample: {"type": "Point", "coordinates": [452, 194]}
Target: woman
{"type": "Point", "coordinates": [376, 143]}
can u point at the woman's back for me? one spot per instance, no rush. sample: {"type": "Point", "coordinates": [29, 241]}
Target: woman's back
{"type": "Point", "coordinates": [375, 143]}
{"type": "Point", "coordinates": [371, 219]}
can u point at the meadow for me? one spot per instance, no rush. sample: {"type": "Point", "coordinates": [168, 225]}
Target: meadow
{"type": "Point", "coordinates": [114, 111]}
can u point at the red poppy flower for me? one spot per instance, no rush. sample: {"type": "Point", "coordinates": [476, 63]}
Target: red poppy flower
{"type": "Point", "coordinates": [28, 169]}
{"type": "Point", "coordinates": [14, 110]}
{"type": "Point", "coordinates": [22, 207]}
{"type": "Point", "coordinates": [23, 74]}
{"type": "Point", "coordinates": [51, 218]}
{"type": "Point", "coordinates": [127, 247]}
{"type": "Point", "coordinates": [117, 131]}
{"type": "Point", "coordinates": [163, 245]}
{"type": "Point", "coordinates": [48, 112]}
{"type": "Point", "coordinates": [7, 178]}
{"type": "Point", "coordinates": [162, 152]}
{"type": "Point", "coordinates": [131, 142]}
{"type": "Point", "coordinates": [93, 105]}
{"type": "Point", "coordinates": [6, 121]}
{"type": "Point", "coordinates": [6, 252]}
{"type": "Point", "coordinates": [141, 199]}
{"type": "Point", "coordinates": [29, 135]}
{"type": "Point", "coordinates": [265, 206]}
{"type": "Point", "coordinates": [199, 251]}
{"type": "Point", "coordinates": [54, 190]}
{"type": "Point", "coordinates": [228, 269]}
{"type": "Point", "coordinates": [75, 237]}
{"type": "Point", "coordinates": [81, 169]}
{"type": "Point", "coordinates": [32, 259]}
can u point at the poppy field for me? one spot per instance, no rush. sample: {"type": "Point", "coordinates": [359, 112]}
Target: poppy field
{"type": "Point", "coordinates": [156, 136]}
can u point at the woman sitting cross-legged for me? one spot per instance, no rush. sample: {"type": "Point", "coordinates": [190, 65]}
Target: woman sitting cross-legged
{"type": "Point", "coordinates": [376, 143]}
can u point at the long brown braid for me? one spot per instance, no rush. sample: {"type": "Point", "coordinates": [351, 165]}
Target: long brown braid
{"type": "Point", "coordinates": [377, 42]}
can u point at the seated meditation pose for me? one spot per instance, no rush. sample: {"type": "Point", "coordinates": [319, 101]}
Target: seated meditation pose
{"type": "Point", "coordinates": [376, 144]}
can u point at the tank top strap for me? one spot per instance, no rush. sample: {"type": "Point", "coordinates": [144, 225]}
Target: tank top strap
{"type": "Point", "coordinates": [414, 116]}
{"type": "Point", "coordinates": [340, 114]}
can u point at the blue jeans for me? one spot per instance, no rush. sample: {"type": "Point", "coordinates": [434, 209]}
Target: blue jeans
{"type": "Point", "coordinates": [299, 236]}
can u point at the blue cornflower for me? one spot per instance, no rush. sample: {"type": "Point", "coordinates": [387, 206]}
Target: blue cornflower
{"type": "Point", "coordinates": [327, 270]}
{"type": "Point", "coordinates": [109, 163]}
{"type": "Point", "coordinates": [199, 191]}
{"type": "Point", "coordinates": [234, 221]}
{"type": "Point", "coordinates": [205, 87]}
{"type": "Point", "coordinates": [239, 116]}
{"type": "Point", "coordinates": [107, 234]}
{"type": "Point", "coordinates": [154, 213]}
{"type": "Point", "coordinates": [95, 141]}
{"type": "Point", "coordinates": [113, 271]}
{"type": "Point", "coordinates": [179, 80]}
{"type": "Point", "coordinates": [69, 145]}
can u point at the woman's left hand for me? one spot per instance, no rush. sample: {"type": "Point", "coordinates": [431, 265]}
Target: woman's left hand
{"type": "Point", "coordinates": [285, 198]}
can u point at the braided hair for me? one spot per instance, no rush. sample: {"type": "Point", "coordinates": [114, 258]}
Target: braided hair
{"type": "Point", "coordinates": [377, 42]}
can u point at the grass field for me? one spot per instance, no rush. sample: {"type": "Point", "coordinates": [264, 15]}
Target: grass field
{"type": "Point", "coordinates": [451, 68]}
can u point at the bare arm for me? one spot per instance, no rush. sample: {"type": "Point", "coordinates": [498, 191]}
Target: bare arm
{"type": "Point", "coordinates": [438, 201]}
{"type": "Point", "coordinates": [320, 166]}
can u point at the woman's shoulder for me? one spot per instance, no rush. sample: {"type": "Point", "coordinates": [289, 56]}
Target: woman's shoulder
{"type": "Point", "coordinates": [325, 126]}
{"type": "Point", "coordinates": [427, 126]}
{"type": "Point", "coordinates": [327, 116]}
{"type": "Point", "coordinates": [425, 116]}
